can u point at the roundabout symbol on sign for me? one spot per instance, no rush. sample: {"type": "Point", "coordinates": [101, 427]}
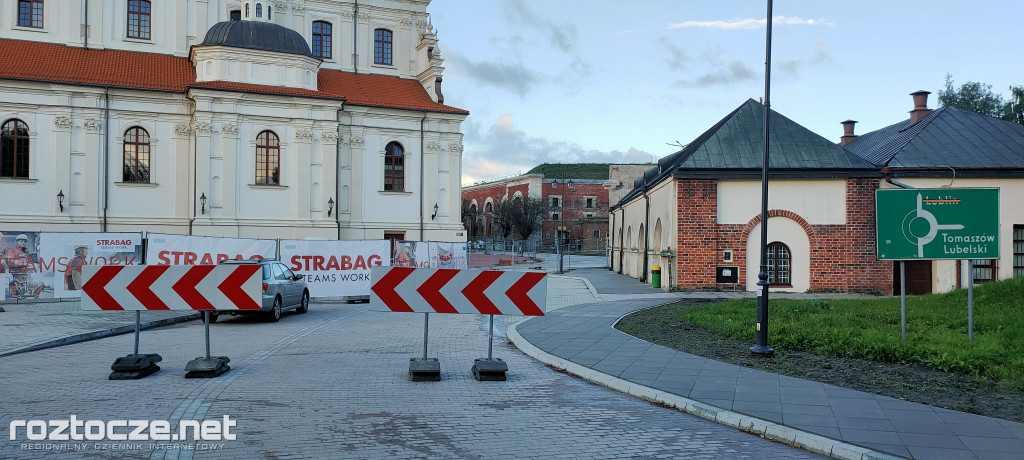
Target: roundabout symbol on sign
{"type": "Point", "coordinates": [920, 227]}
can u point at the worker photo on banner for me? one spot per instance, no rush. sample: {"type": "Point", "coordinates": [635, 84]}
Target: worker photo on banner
{"type": "Point", "coordinates": [411, 254]}
{"type": "Point", "coordinates": [65, 254]}
{"type": "Point", "coordinates": [24, 274]}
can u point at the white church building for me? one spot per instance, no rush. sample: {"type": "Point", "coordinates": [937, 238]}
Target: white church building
{"type": "Point", "coordinates": [258, 119]}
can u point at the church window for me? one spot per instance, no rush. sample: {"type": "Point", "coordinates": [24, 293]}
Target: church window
{"type": "Point", "coordinates": [14, 150]}
{"type": "Point", "coordinates": [779, 258]}
{"type": "Point", "coordinates": [247, 10]}
{"type": "Point", "coordinates": [322, 39]}
{"type": "Point", "coordinates": [259, 10]}
{"type": "Point", "coordinates": [138, 19]}
{"type": "Point", "coordinates": [268, 12]}
{"type": "Point", "coordinates": [136, 156]}
{"type": "Point", "coordinates": [30, 13]}
{"type": "Point", "coordinates": [394, 168]}
{"type": "Point", "coordinates": [268, 159]}
{"type": "Point", "coordinates": [382, 46]}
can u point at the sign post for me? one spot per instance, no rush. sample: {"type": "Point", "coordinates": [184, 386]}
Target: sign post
{"type": "Point", "coordinates": [436, 290]}
{"type": "Point", "coordinates": [161, 287]}
{"type": "Point", "coordinates": [937, 224]}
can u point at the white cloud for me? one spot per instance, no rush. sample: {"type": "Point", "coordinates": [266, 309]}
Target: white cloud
{"type": "Point", "coordinates": [750, 23]}
{"type": "Point", "coordinates": [504, 149]}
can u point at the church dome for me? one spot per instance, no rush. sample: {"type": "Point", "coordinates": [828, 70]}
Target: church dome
{"type": "Point", "coordinates": [257, 35]}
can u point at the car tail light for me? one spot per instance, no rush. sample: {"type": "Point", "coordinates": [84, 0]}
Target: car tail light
{"type": "Point", "coordinates": [264, 287]}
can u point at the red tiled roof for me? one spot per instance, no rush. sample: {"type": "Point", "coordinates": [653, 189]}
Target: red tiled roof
{"type": "Point", "coordinates": [380, 91]}
{"type": "Point", "coordinates": [264, 89]}
{"type": "Point", "coordinates": [58, 63]}
{"type": "Point", "coordinates": [28, 60]}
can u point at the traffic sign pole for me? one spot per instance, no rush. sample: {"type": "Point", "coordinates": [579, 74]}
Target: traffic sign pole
{"type": "Point", "coordinates": [903, 300]}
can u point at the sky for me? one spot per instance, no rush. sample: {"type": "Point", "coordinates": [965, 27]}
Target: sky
{"type": "Point", "coordinates": [574, 81]}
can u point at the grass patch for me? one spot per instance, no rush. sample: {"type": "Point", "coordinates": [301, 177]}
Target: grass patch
{"type": "Point", "coordinates": [870, 329]}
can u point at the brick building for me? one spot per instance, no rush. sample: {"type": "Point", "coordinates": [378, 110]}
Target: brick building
{"type": "Point", "coordinates": [574, 196]}
{"type": "Point", "coordinates": [698, 213]}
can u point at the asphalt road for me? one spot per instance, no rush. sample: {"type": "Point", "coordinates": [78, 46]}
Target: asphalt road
{"type": "Point", "coordinates": [333, 383]}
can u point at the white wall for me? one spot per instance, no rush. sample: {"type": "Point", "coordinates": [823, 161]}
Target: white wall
{"type": "Point", "coordinates": [820, 202]}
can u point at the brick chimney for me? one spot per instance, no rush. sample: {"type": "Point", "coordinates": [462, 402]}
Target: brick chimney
{"type": "Point", "coordinates": [921, 109]}
{"type": "Point", "coordinates": [848, 135]}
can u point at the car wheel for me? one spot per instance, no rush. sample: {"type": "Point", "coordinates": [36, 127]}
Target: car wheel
{"type": "Point", "coordinates": [213, 317]}
{"type": "Point", "coordinates": [275, 312]}
{"type": "Point", "coordinates": [304, 303]}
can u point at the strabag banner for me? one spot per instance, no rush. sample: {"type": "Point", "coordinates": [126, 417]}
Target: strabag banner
{"type": "Point", "coordinates": [67, 253]}
{"type": "Point", "coordinates": [166, 249]}
{"type": "Point", "coordinates": [430, 254]}
{"type": "Point", "coordinates": [336, 268]}
{"type": "Point", "coordinates": [448, 255]}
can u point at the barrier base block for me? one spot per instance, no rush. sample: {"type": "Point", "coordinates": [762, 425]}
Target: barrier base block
{"type": "Point", "coordinates": [134, 366]}
{"type": "Point", "coordinates": [424, 370]}
{"type": "Point", "coordinates": [204, 368]}
{"type": "Point", "coordinates": [489, 370]}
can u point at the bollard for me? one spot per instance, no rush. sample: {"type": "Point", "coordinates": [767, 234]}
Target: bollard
{"type": "Point", "coordinates": [656, 276]}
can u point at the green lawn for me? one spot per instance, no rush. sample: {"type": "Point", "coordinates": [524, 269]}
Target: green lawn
{"type": "Point", "coordinates": [870, 328]}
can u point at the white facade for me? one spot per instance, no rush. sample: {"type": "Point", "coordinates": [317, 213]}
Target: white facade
{"type": "Point", "coordinates": [203, 139]}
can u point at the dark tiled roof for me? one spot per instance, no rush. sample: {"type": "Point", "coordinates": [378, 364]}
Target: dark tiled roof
{"type": "Point", "coordinates": [26, 60]}
{"type": "Point", "coordinates": [596, 171]}
{"type": "Point", "coordinates": [256, 35]}
{"type": "Point", "coordinates": [738, 144]}
{"type": "Point", "coordinates": [734, 148]}
{"type": "Point", "coordinates": [946, 138]}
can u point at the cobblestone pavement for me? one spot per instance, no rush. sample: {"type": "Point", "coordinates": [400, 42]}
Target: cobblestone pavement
{"type": "Point", "coordinates": [333, 384]}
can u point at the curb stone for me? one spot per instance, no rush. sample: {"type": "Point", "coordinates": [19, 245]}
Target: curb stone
{"type": "Point", "coordinates": [787, 435]}
{"type": "Point", "coordinates": [103, 334]}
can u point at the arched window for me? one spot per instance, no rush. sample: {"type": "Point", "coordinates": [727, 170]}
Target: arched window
{"type": "Point", "coordinates": [259, 10]}
{"type": "Point", "coordinates": [14, 150]}
{"type": "Point", "coordinates": [382, 46]}
{"type": "Point", "coordinates": [268, 159]}
{"type": "Point", "coordinates": [779, 258]}
{"type": "Point", "coordinates": [268, 12]}
{"type": "Point", "coordinates": [322, 39]}
{"type": "Point", "coordinates": [394, 168]}
{"type": "Point", "coordinates": [139, 19]}
{"type": "Point", "coordinates": [246, 10]}
{"type": "Point", "coordinates": [488, 208]}
{"type": "Point", "coordinates": [136, 156]}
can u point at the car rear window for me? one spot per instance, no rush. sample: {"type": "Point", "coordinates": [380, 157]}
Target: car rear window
{"type": "Point", "coordinates": [266, 272]}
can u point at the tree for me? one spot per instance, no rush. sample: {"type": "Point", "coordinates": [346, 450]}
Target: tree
{"type": "Point", "coordinates": [504, 218]}
{"type": "Point", "coordinates": [528, 215]}
{"type": "Point", "coordinates": [980, 98]}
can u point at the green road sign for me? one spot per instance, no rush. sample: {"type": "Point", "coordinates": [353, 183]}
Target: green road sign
{"type": "Point", "coordinates": [942, 223]}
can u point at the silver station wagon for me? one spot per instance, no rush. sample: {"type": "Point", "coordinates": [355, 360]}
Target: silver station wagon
{"type": "Point", "coordinates": [282, 290]}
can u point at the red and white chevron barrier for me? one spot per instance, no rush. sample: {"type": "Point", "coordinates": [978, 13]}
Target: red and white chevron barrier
{"type": "Point", "coordinates": [172, 287]}
{"type": "Point", "coordinates": [438, 290]}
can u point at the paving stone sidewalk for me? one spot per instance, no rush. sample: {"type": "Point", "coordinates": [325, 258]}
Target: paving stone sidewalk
{"type": "Point", "coordinates": [823, 418]}
{"type": "Point", "coordinates": [38, 325]}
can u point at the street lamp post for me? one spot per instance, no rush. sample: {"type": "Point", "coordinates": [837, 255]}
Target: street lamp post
{"type": "Point", "coordinates": [762, 347]}
{"type": "Point", "coordinates": [561, 221]}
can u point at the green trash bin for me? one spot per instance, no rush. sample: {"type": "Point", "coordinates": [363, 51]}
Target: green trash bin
{"type": "Point", "coordinates": [656, 276]}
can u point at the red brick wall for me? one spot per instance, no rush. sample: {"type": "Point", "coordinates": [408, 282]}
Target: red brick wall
{"type": "Point", "coordinates": [842, 257]}
{"type": "Point", "coordinates": [698, 237]}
